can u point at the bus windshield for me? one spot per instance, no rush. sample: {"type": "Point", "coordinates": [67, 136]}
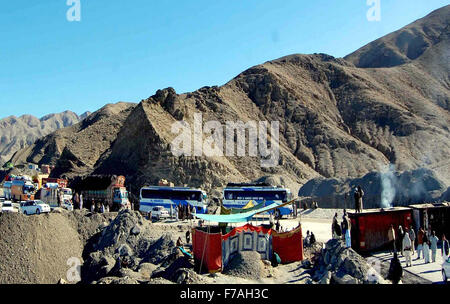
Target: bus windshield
{"type": "Point", "coordinates": [192, 195]}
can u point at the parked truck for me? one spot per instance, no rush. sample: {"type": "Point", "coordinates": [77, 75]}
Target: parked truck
{"type": "Point", "coordinates": [51, 194]}
{"type": "Point", "coordinates": [7, 190]}
{"type": "Point", "coordinates": [22, 190]}
{"type": "Point", "coordinates": [115, 195]}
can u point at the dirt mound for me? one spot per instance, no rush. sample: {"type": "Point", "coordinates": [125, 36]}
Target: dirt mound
{"type": "Point", "coordinates": [36, 249]}
{"type": "Point", "coordinates": [340, 265]}
{"type": "Point", "coordinates": [246, 265]}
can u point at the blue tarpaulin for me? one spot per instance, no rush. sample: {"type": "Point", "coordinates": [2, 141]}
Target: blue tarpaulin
{"type": "Point", "coordinates": [240, 217]}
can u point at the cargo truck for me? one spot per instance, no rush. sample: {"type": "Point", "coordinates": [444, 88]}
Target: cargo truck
{"type": "Point", "coordinates": [115, 195]}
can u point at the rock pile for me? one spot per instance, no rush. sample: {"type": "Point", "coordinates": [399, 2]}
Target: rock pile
{"type": "Point", "coordinates": [129, 250]}
{"type": "Point", "coordinates": [340, 265]}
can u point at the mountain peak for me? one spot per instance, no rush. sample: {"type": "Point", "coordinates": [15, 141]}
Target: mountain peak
{"type": "Point", "coordinates": [406, 44]}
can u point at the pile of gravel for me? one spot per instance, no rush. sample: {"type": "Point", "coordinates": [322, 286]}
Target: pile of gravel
{"type": "Point", "coordinates": [246, 265]}
{"type": "Point", "coordinates": [35, 249]}
{"type": "Point", "coordinates": [340, 265]}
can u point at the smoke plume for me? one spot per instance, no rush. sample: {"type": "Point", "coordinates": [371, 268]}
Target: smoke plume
{"type": "Point", "coordinates": [388, 182]}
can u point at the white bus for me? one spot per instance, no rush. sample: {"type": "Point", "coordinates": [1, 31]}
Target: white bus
{"type": "Point", "coordinates": [239, 195]}
{"type": "Point", "coordinates": [172, 196]}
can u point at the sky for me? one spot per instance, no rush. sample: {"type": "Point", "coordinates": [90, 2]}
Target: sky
{"type": "Point", "coordinates": [127, 50]}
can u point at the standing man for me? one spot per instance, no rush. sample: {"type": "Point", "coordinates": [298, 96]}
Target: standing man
{"type": "Point", "coordinates": [400, 238]}
{"type": "Point", "coordinates": [346, 225]}
{"type": "Point", "coordinates": [391, 237]}
{"type": "Point", "coordinates": [358, 195]}
{"type": "Point", "coordinates": [426, 248]}
{"type": "Point", "coordinates": [412, 236]}
{"type": "Point", "coordinates": [433, 240]}
{"type": "Point", "coordinates": [420, 236]}
{"type": "Point", "coordinates": [81, 201]}
{"type": "Point", "coordinates": [445, 250]}
{"type": "Point", "coordinates": [406, 248]}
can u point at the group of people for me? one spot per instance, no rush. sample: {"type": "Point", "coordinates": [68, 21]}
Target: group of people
{"type": "Point", "coordinates": [342, 230]}
{"type": "Point", "coordinates": [310, 239]}
{"type": "Point", "coordinates": [185, 212]}
{"type": "Point", "coordinates": [427, 241]}
{"type": "Point", "coordinates": [99, 207]}
{"type": "Point", "coordinates": [77, 201]}
{"type": "Point", "coordinates": [95, 207]}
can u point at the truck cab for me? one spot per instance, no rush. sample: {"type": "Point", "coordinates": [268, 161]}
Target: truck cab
{"type": "Point", "coordinates": [120, 197]}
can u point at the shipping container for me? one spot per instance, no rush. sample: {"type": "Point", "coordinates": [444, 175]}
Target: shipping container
{"type": "Point", "coordinates": [369, 230]}
{"type": "Point", "coordinates": [432, 217]}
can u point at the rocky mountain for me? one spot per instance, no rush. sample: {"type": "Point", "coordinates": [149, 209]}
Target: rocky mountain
{"type": "Point", "coordinates": [18, 132]}
{"type": "Point", "coordinates": [387, 103]}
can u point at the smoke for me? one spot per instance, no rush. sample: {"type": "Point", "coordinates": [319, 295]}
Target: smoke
{"type": "Point", "coordinates": [388, 182]}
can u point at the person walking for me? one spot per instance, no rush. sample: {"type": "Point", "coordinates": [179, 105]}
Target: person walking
{"type": "Point", "coordinates": [412, 236]}
{"type": "Point", "coordinates": [445, 250]}
{"type": "Point", "coordinates": [433, 241]}
{"type": "Point", "coordinates": [426, 248]}
{"type": "Point", "coordinates": [391, 237]}
{"type": "Point", "coordinates": [406, 248]}
{"type": "Point", "coordinates": [420, 235]}
{"type": "Point", "coordinates": [277, 226]}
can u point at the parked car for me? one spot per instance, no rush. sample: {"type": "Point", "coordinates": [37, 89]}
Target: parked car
{"type": "Point", "coordinates": [34, 207]}
{"type": "Point", "coordinates": [160, 212]}
{"type": "Point", "coordinates": [67, 205]}
{"type": "Point", "coordinates": [446, 269]}
{"type": "Point", "coordinates": [8, 207]}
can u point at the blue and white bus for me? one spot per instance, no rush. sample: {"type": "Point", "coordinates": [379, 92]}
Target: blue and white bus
{"type": "Point", "coordinates": [239, 195]}
{"type": "Point", "coordinates": [172, 196]}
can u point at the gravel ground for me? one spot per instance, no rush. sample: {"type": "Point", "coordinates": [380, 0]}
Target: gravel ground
{"type": "Point", "coordinates": [321, 213]}
{"type": "Point", "coordinates": [36, 249]}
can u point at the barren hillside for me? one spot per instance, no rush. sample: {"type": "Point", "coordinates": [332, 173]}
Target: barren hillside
{"type": "Point", "coordinates": [338, 118]}
{"type": "Point", "coordinates": [18, 132]}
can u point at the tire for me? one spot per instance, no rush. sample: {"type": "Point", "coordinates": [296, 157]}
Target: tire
{"type": "Point", "coordinates": [25, 213]}
{"type": "Point", "coordinates": [444, 276]}
{"type": "Point", "coordinates": [38, 211]}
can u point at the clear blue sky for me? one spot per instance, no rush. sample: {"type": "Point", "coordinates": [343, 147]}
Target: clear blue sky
{"type": "Point", "coordinates": [126, 50]}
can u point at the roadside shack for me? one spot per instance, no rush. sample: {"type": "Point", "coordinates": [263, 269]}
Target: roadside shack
{"type": "Point", "coordinates": [432, 217]}
{"type": "Point", "coordinates": [369, 229]}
